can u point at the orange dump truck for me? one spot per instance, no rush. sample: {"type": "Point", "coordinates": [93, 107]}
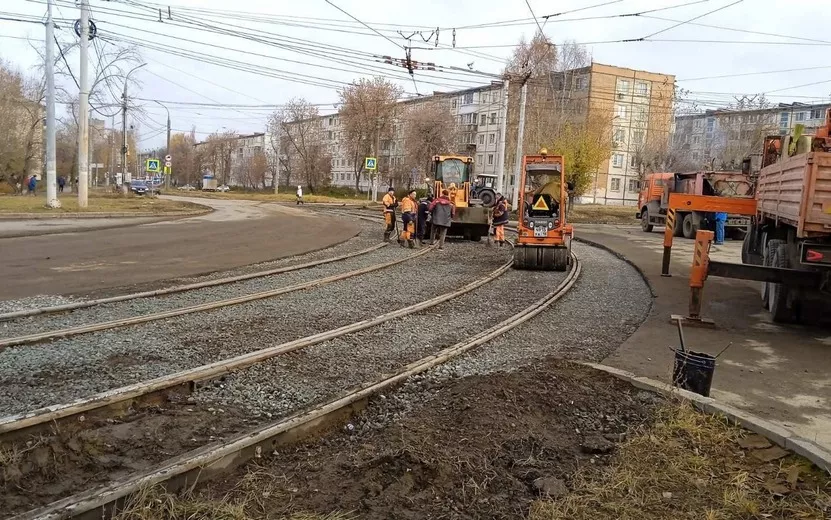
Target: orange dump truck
{"type": "Point", "coordinates": [656, 187]}
{"type": "Point", "coordinates": [792, 230]}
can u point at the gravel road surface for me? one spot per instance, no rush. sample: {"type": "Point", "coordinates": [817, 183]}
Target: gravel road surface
{"type": "Point", "coordinates": [64, 370]}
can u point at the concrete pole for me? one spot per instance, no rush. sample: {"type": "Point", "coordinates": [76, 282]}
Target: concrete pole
{"type": "Point", "coordinates": [519, 141]}
{"type": "Point", "coordinates": [111, 169]}
{"type": "Point", "coordinates": [124, 131]}
{"type": "Point", "coordinates": [83, 108]}
{"type": "Point", "coordinates": [51, 162]}
{"type": "Point", "coordinates": [503, 134]}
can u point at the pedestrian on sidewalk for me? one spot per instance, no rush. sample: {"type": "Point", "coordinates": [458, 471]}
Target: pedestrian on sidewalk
{"type": "Point", "coordinates": [32, 185]}
{"type": "Point", "coordinates": [61, 183]}
{"type": "Point", "coordinates": [390, 203]}
{"type": "Point", "coordinates": [442, 212]}
{"type": "Point", "coordinates": [500, 218]}
{"type": "Point", "coordinates": [721, 220]}
{"type": "Point", "coordinates": [299, 195]}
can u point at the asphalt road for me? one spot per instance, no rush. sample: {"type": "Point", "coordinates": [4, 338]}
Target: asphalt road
{"type": "Point", "coordinates": [236, 233]}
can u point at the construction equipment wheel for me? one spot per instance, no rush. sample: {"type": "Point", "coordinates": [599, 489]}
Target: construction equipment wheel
{"type": "Point", "coordinates": [646, 227]}
{"type": "Point", "coordinates": [534, 258]}
{"type": "Point", "coordinates": [767, 261]}
{"type": "Point", "coordinates": [689, 228]}
{"type": "Point", "coordinates": [487, 196]}
{"type": "Point", "coordinates": [561, 259]}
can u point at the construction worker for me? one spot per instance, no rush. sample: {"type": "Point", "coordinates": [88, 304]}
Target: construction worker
{"type": "Point", "coordinates": [423, 213]}
{"type": "Point", "coordinates": [409, 215]}
{"type": "Point", "coordinates": [721, 220]}
{"type": "Point", "coordinates": [390, 202]}
{"type": "Point", "coordinates": [442, 212]}
{"type": "Point", "coordinates": [500, 218]}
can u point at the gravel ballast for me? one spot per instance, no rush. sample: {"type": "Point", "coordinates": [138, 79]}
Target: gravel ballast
{"type": "Point", "coordinates": [64, 370]}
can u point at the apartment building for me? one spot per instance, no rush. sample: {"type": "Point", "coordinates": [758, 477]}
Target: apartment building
{"type": "Point", "coordinates": [240, 149]}
{"type": "Point", "coordinates": [724, 137]}
{"type": "Point", "coordinates": [635, 107]}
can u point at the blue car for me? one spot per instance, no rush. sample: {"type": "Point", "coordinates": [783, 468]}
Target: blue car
{"type": "Point", "coordinates": [139, 187]}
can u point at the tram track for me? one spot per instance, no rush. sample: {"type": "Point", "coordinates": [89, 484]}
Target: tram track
{"type": "Point", "coordinates": [218, 457]}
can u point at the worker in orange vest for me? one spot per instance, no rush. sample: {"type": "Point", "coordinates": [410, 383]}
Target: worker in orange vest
{"type": "Point", "coordinates": [390, 203]}
{"type": "Point", "coordinates": [409, 212]}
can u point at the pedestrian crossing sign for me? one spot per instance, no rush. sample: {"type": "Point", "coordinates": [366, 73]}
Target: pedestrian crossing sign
{"type": "Point", "coordinates": [152, 165]}
{"type": "Point", "coordinates": [371, 163]}
{"type": "Point", "coordinates": [540, 204]}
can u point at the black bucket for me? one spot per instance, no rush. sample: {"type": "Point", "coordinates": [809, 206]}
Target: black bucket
{"type": "Point", "coordinates": [693, 371]}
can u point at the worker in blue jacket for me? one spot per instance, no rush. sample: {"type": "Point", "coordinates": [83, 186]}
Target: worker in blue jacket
{"type": "Point", "coordinates": [721, 220]}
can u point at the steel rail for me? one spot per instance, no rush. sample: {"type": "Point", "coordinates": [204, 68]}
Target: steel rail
{"type": "Point", "coordinates": [135, 320]}
{"type": "Point", "coordinates": [25, 313]}
{"type": "Point", "coordinates": [123, 397]}
{"type": "Point", "coordinates": [209, 460]}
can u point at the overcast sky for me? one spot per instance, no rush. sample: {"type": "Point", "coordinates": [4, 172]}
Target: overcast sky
{"type": "Point", "coordinates": [345, 50]}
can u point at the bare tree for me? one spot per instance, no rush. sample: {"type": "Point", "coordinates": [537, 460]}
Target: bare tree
{"type": "Point", "coordinates": [21, 136]}
{"type": "Point", "coordinates": [306, 151]}
{"type": "Point", "coordinates": [368, 110]}
{"type": "Point", "coordinates": [429, 129]}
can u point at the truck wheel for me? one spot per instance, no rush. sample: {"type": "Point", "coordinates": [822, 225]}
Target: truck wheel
{"type": "Point", "coordinates": [678, 227]}
{"type": "Point", "coordinates": [689, 228]}
{"type": "Point", "coordinates": [778, 292]}
{"type": "Point", "coordinates": [646, 227]}
{"type": "Point", "coordinates": [767, 260]}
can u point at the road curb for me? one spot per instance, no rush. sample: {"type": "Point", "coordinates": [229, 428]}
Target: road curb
{"type": "Point", "coordinates": [49, 216]}
{"type": "Point", "coordinates": [774, 432]}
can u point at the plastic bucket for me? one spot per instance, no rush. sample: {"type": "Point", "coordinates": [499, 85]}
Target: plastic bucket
{"type": "Point", "coordinates": [693, 371]}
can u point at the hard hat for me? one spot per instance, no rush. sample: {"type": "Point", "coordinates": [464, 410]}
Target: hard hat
{"type": "Point", "coordinates": [543, 151]}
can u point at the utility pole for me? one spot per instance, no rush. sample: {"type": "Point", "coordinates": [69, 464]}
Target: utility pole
{"type": "Point", "coordinates": [503, 133]}
{"type": "Point", "coordinates": [167, 148]}
{"type": "Point", "coordinates": [519, 141]}
{"type": "Point", "coordinates": [83, 119]}
{"type": "Point", "coordinates": [51, 162]}
{"type": "Point", "coordinates": [124, 131]}
{"type": "Point", "coordinates": [110, 171]}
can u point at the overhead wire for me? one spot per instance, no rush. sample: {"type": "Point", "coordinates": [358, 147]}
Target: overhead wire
{"type": "Point", "coordinates": [692, 19]}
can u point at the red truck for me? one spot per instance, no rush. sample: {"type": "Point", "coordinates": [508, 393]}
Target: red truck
{"type": "Point", "coordinates": [656, 187]}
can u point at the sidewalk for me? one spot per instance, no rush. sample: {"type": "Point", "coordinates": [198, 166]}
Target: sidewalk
{"type": "Point", "coordinates": [781, 373]}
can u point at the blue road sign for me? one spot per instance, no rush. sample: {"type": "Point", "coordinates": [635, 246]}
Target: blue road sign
{"type": "Point", "coordinates": [371, 163]}
{"type": "Point", "coordinates": [153, 165]}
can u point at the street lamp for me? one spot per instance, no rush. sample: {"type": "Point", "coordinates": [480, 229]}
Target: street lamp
{"type": "Point", "coordinates": [124, 129]}
{"type": "Point", "coordinates": [167, 148]}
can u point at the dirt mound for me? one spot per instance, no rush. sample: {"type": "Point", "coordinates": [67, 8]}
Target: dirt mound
{"type": "Point", "coordinates": [483, 447]}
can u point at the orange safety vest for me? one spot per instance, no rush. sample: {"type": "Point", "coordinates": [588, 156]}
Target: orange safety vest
{"type": "Point", "coordinates": [408, 205]}
{"type": "Point", "coordinates": [389, 203]}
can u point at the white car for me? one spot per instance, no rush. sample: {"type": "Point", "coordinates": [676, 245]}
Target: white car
{"type": "Point", "coordinates": [187, 187]}
{"type": "Point", "coordinates": [223, 188]}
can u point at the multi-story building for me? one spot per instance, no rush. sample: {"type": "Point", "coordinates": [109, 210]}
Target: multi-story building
{"type": "Point", "coordinates": [633, 107]}
{"type": "Point", "coordinates": [724, 137]}
{"type": "Point", "coordinates": [240, 149]}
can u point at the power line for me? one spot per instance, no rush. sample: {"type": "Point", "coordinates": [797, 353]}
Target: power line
{"type": "Point", "coordinates": [693, 19]}
{"type": "Point", "coordinates": [362, 23]}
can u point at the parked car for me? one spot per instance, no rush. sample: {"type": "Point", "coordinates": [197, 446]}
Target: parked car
{"type": "Point", "coordinates": [224, 187]}
{"type": "Point", "coordinates": [187, 187]}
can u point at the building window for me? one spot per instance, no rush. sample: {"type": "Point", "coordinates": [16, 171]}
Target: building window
{"type": "Point", "coordinates": [481, 138]}
{"type": "Point", "coordinates": [711, 124]}
{"type": "Point", "coordinates": [621, 111]}
{"type": "Point", "coordinates": [696, 139]}
{"type": "Point", "coordinates": [493, 118]}
{"type": "Point", "coordinates": [639, 113]}
{"type": "Point", "coordinates": [581, 83]}
{"type": "Point", "coordinates": [331, 135]}
{"type": "Point", "coordinates": [484, 97]}
{"type": "Point", "coordinates": [619, 135]}
{"type": "Point", "coordinates": [614, 185]}
{"type": "Point", "coordinates": [817, 113]}
{"type": "Point", "coordinates": [633, 161]}
{"type": "Point", "coordinates": [752, 118]}
{"type": "Point", "coordinates": [472, 139]}
{"type": "Point", "coordinates": [479, 158]}
{"type": "Point", "coordinates": [467, 99]}
{"type": "Point", "coordinates": [697, 124]}
{"type": "Point", "coordinates": [490, 159]}
{"type": "Point", "coordinates": [622, 86]}
{"type": "Point", "coordinates": [637, 137]}
{"type": "Point", "coordinates": [617, 160]}
{"type": "Point", "coordinates": [453, 104]}
{"type": "Point", "coordinates": [783, 119]}
{"type": "Point", "coordinates": [331, 121]}
{"type": "Point", "coordinates": [641, 88]}
{"type": "Point", "coordinates": [800, 116]}
{"type": "Point", "coordinates": [634, 185]}
{"type": "Point", "coordinates": [483, 119]}
{"type": "Point", "coordinates": [491, 138]}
